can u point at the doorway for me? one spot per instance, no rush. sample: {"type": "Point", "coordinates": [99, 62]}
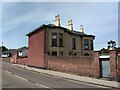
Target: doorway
{"type": "Point", "coordinates": [104, 67]}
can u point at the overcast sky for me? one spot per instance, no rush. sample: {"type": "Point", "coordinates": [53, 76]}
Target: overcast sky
{"type": "Point", "coordinates": [98, 18]}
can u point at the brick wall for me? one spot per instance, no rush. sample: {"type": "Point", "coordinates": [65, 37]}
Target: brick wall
{"type": "Point", "coordinates": [36, 49]}
{"type": "Point", "coordinates": [86, 66]}
{"type": "Point", "coordinates": [113, 63]}
{"type": "Point", "coordinates": [118, 68]}
{"type": "Point", "coordinates": [96, 64]}
{"type": "Point", "coordinates": [7, 59]}
{"type": "Point", "coordinates": [22, 60]}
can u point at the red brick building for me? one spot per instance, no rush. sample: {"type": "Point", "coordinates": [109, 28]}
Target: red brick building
{"type": "Point", "coordinates": [66, 50]}
{"type": "Point", "coordinates": [55, 40]}
{"type": "Point", "coordinates": [36, 48]}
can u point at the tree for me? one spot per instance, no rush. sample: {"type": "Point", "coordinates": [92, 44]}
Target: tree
{"type": "Point", "coordinates": [111, 44]}
{"type": "Point", "coordinates": [104, 51]}
{"type": "Point", "coordinates": [3, 48]}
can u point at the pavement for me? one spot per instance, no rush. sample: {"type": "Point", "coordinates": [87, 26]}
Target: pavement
{"type": "Point", "coordinates": [95, 81]}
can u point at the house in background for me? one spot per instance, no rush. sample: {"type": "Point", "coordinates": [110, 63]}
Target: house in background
{"type": "Point", "coordinates": [19, 53]}
{"type": "Point", "coordinates": [22, 52]}
{"type": "Point", "coordinates": [55, 40]}
{"type": "Point", "coordinates": [8, 53]}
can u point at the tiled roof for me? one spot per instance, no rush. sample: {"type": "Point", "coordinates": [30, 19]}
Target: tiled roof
{"type": "Point", "coordinates": [53, 26]}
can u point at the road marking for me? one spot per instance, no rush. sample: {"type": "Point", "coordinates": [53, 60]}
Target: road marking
{"type": "Point", "coordinates": [8, 72]}
{"type": "Point", "coordinates": [20, 77]}
{"type": "Point", "coordinates": [33, 82]}
{"type": "Point", "coordinates": [42, 85]}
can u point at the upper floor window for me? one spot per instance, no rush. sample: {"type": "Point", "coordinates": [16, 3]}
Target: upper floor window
{"type": "Point", "coordinates": [54, 39]}
{"type": "Point", "coordinates": [86, 44]}
{"type": "Point", "coordinates": [73, 43]}
{"type": "Point", "coordinates": [91, 44]}
{"type": "Point", "coordinates": [60, 40]}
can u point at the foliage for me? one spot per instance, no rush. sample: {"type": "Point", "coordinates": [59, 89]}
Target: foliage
{"type": "Point", "coordinates": [104, 51]}
{"type": "Point", "coordinates": [3, 48]}
{"type": "Point", "coordinates": [111, 44]}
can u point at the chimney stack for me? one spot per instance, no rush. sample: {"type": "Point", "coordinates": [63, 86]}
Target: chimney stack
{"type": "Point", "coordinates": [70, 25]}
{"type": "Point", "coordinates": [81, 29]}
{"type": "Point", "coordinates": [57, 20]}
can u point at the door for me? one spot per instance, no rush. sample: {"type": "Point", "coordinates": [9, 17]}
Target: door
{"type": "Point", "coordinates": [105, 68]}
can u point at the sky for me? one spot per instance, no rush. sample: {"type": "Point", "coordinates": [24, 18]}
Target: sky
{"type": "Point", "coordinates": [98, 18]}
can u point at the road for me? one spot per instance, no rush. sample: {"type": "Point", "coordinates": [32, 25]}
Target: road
{"type": "Point", "coordinates": [11, 81]}
{"type": "Point", "coordinates": [14, 77]}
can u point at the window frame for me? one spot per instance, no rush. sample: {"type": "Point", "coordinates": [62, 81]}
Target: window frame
{"type": "Point", "coordinates": [61, 54]}
{"type": "Point", "coordinates": [74, 43]}
{"type": "Point", "coordinates": [54, 41]}
{"type": "Point", "coordinates": [91, 45]}
{"type": "Point", "coordinates": [60, 39]}
{"type": "Point", "coordinates": [86, 43]}
{"type": "Point", "coordinates": [86, 54]}
{"type": "Point", "coordinates": [53, 53]}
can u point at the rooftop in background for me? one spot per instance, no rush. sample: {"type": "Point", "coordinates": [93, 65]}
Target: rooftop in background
{"type": "Point", "coordinates": [14, 50]}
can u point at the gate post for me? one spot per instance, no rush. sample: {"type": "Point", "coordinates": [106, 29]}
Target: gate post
{"type": "Point", "coordinates": [96, 62]}
{"type": "Point", "coordinates": [113, 64]}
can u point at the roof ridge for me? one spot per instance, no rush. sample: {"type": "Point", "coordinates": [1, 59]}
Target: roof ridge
{"type": "Point", "coordinates": [54, 26]}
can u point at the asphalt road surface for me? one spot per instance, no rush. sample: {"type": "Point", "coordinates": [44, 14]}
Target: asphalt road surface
{"type": "Point", "coordinates": [14, 77]}
{"type": "Point", "coordinates": [11, 81]}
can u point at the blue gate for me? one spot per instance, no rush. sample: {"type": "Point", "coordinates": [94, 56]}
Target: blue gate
{"type": "Point", "coordinates": [105, 67]}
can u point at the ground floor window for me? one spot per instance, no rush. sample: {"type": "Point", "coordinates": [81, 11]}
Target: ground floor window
{"type": "Point", "coordinates": [54, 53]}
{"type": "Point", "coordinates": [86, 54]}
{"type": "Point", "coordinates": [61, 53]}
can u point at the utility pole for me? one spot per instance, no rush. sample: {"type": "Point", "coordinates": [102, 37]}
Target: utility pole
{"type": "Point", "coordinates": [2, 43]}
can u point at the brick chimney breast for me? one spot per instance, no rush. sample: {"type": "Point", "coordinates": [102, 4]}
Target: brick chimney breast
{"type": "Point", "coordinates": [57, 20]}
{"type": "Point", "coordinates": [70, 25]}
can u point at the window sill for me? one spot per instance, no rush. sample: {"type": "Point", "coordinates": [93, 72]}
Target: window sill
{"type": "Point", "coordinates": [53, 46]}
{"type": "Point", "coordinates": [86, 49]}
{"type": "Point", "coordinates": [61, 46]}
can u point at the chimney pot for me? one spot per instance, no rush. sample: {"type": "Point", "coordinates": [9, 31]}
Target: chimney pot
{"type": "Point", "coordinates": [81, 29]}
{"type": "Point", "coordinates": [70, 25]}
{"type": "Point", "coordinates": [57, 20]}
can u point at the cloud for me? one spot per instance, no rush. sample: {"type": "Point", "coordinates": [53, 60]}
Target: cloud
{"type": "Point", "coordinates": [99, 19]}
{"type": "Point", "coordinates": [32, 16]}
{"type": "Point", "coordinates": [60, 1]}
